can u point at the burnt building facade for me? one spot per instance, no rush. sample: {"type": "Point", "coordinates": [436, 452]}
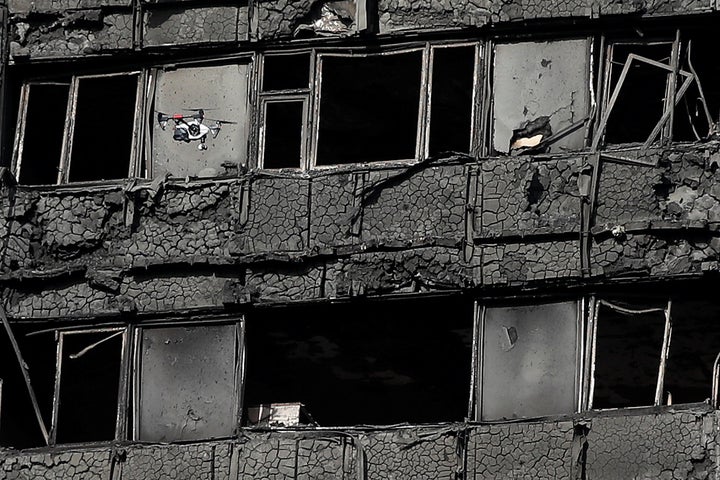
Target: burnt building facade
{"type": "Point", "coordinates": [296, 239]}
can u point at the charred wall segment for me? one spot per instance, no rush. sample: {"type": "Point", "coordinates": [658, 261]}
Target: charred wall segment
{"type": "Point", "coordinates": [450, 223]}
{"type": "Point", "coordinates": [648, 444]}
{"type": "Point", "coordinates": [79, 28]}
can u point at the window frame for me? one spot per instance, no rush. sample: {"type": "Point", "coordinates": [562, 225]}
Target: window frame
{"type": "Point", "coordinates": [134, 368]}
{"type": "Point", "coordinates": [64, 164]}
{"type": "Point", "coordinates": [581, 336]}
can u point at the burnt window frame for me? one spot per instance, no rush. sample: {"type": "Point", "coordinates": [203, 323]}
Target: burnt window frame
{"type": "Point", "coordinates": [594, 318]}
{"type": "Point", "coordinates": [134, 367]}
{"type": "Point", "coordinates": [64, 165]}
{"type": "Point", "coordinates": [312, 97]}
{"type": "Point", "coordinates": [582, 340]}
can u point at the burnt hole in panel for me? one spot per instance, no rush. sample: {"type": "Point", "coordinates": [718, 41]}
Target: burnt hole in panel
{"type": "Point", "coordinates": [690, 112]}
{"type": "Point", "coordinates": [627, 357]}
{"type": "Point", "coordinates": [286, 72]}
{"type": "Point", "coordinates": [18, 424]}
{"type": "Point", "coordinates": [283, 134]}
{"type": "Point", "coordinates": [44, 132]}
{"type": "Point", "coordinates": [363, 362]}
{"type": "Point", "coordinates": [103, 133]}
{"type": "Point", "coordinates": [695, 344]}
{"type": "Point", "coordinates": [369, 108]}
{"type": "Point", "coordinates": [641, 101]}
{"type": "Point", "coordinates": [89, 382]}
{"type": "Point", "coordinates": [452, 99]}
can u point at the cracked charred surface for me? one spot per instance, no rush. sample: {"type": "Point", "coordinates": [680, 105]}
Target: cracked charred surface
{"type": "Point", "coordinates": [659, 444]}
{"type": "Point", "coordinates": [339, 233]}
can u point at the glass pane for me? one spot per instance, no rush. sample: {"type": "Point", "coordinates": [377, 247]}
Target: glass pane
{"type": "Point", "coordinates": [44, 132]}
{"type": "Point", "coordinates": [221, 92]}
{"type": "Point", "coordinates": [187, 383]}
{"type": "Point", "coordinates": [529, 363]}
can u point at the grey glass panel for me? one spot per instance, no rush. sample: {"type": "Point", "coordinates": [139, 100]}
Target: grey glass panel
{"type": "Point", "coordinates": [529, 361]}
{"type": "Point", "coordinates": [536, 79]}
{"type": "Point", "coordinates": [187, 383]}
{"type": "Point", "coordinates": [222, 93]}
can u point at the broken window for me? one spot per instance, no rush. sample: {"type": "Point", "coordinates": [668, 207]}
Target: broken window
{"type": "Point", "coordinates": [187, 382]}
{"type": "Point", "coordinates": [451, 99]}
{"type": "Point", "coordinates": [76, 379]}
{"type": "Point", "coordinates": [630, 349]}
{"type": "Point", "coordinates": [94, 138]}
{"type": "Point", "coordinates": [541, 96]}
{"type": "Point", "coordinates": [385, 362]}
{"type": "Point", "coordinates": [87, 385]}
{"type": "Point", "coordinates": [369, 107]}
{"type": "Point", "coordinates": [284, 109]}
{"type": "Point", "coordinates": [653, 93]}
{"type": "Point", "coordinates": [200, 121]}
{"type": "Point", "coordinates": [529, 363]}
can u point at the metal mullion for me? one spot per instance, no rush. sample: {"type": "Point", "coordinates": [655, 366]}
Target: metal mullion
{"type": "Point", "coordinates": [56, 394]}
{"type": "Point", "coordinates": [588, 351]}
{"type": "Point", "coordinates": [311, 117]}
{"type": "Point", "coordinates": [580, 354]}
{"type": "Point", "coordinates": [135, 381]}
{"type": "Point", "coordinates": [670, 88]}
{"type": "Point", "coordinates": [66, 151]}
{"type": "Point", "coordinates": [240, 364]}
{"type": "Point", "coordinates": [20, 130]}
{"type": "Point", "coordinates": [423, 121]}
{"type": "Point", "coordinates": [479, 365]}
{"type": "Point", "coordinates": [488, 101]}
{"type": "Point", "coordinates": [667, 336]}
{"type": "Point", "coordinates": [122, 401]}
{"type": "Point", "coordinates": [474, 362]}
{"type": "Point", "coordinates": [476, 121]}
{"type": "Point", "coordinates": [147, 124]}
{"type": "Point", "coordinates": [593, 354]}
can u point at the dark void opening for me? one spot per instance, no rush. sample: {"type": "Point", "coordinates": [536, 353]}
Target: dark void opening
{"type": "Point", "coordinates": [104, 122]}
{"type": "Point", "coordinates": [627, 357]}
{"type": "Point", "coordinates": [690, 112]}
{"type": "Point", "coordinates": [364, 362]}
{"type": "Point", "coordinates": [44, 132]}
{"type": "Point", "coordinates": [641, 101]}
{"type": "Point", "coordinates": [286, 72]}
{"type": "Point", "coordinates": [89, 383]}
{"type": "Point", "coordinates": [694, 346]}
{"type": "Point", "coordinates": [369, 108]}
{"type": "Point", "coordinates": [19, 427]}
{"type": "Point", "coordinates": [452, 99]}
{"type": "Point", "coordinates": [283, 134]}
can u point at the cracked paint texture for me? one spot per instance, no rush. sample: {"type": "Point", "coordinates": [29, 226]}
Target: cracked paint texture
{"type": "Point", "coordinates": [184, 25]}
{"type": "Point", "coordinates": [658, 444]}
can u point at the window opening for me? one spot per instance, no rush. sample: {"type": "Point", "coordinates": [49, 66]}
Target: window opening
{"type": "Point", "coordinates": [286, 72]}
{"type": "Point", "coordinates": [541, 96]}
{"type": "Point", "coordinates": [283, 133]}
{"type": "Point", "coordinates": [385, 362]}
{"type": "Point", "coordinates": [103, 126]}
{"type": "Point", "coordinates": [629, 355]}
{"type": "Point", "coordinates": [451, 99]}
{"type": "Point", "coordinates": [42, 133]}
{"type": "Point", "coordinates": [199, 118]}
{"type": "Point", "coordinates": [529, 362]}
{"type": "Point", "coordinates": [87, 385]}
{"type": "Point", "coordinates": [369, 107]}
{"type": "Point", "coordinates": [187, 382]}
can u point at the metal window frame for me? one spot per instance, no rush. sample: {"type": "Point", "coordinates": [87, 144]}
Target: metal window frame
{"type": "Point", "coordinates": [122, 398]}
{"type": "Point", "coordinates": [477, 384]}
{"type": "Point", "coordinates": [136, 365]}
{"type": "Point", "coordinates": [63, 176]}
{"type": "Point", "coordinates": [663, 354]}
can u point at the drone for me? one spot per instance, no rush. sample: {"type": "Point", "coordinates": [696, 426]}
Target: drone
{"type": "Point", "coordinates": [189, 128]}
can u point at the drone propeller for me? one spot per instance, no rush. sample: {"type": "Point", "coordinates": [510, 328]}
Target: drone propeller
{"type": "Point", "coordinates": [221, 122]}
